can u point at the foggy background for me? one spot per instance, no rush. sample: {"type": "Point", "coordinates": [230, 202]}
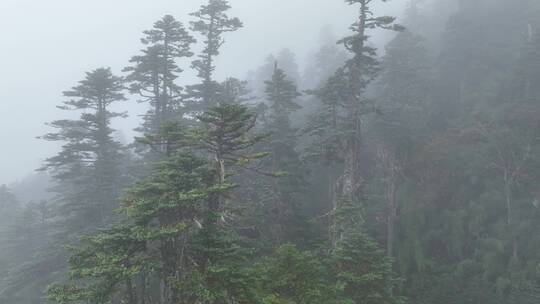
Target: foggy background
{"type": "Point", "coordinates": [48, 45]}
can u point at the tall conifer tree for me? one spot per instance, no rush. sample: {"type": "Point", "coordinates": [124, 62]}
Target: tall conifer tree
{"type": "Point", "coordinates": [154, 73]}
{"type": "Point", "coordinates": [212, 22]}
{"type": "Point", "coordinates": [87, 169]}
{"type": "Point", "coordinates": [282, 95]}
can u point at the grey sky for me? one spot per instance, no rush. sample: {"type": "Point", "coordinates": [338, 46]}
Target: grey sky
{"type": "Point", "coordinates": [47, 45]}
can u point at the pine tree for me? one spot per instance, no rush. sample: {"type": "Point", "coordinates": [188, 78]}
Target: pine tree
{"type": "Point", "coordinates": [87, 176]}
{"type": "Point", "coordinates": [154, 73]}
{"type": "Point", "coordinates": [356, 271]}
{"type": "Point", "coordinates": [293, 276]}
{"type": "Point", "coordinates": [234, 91]}
{"type": "Point", "coordinates": [173, 235]}
{"type": "Point", "coordinates": [324, 128]}
{"type": "Point", "coordinates": [168, 209]}
{"type": "Point", "coordinates": [345, 104]}
{"type": "Point", "coordinates": [287, 62]}
{"type": "Point", "coordinates": [123, 262]}
{"type": "Point", "coordinates": [226, 138]}
{"type": "Point", "coordinates": [360, 70]}
{"type": "Point", "coordinates": [363, 272]}
{"type": "Point", "coordinates": [225, 135]}
{"type": "Point", "coordinates": [212, 22]}
{"type": "Point", "coordinates": [87, 168]}
{"type": "Point", "coordinates": [282, 94]}
{"type": "Point", "coordinates": [258, 76]}
{"type": "Point", "coordinates": [403, 101]}
{"type": "Point", "coordinates": [104, 268]}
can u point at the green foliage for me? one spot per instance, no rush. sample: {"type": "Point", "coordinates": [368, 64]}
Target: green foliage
{"type": "Point", "coordinates": [161, 210]}
{"type": "Point", "coordinates": [225, 133]}
{"type": "Point", "coordinates": [103, 264]}
{"type": "Point", "coordinates": [87, 176]}
{"type": "Point", "coordinates": [357, 271]}
{"type": "Point", "coordinates": [243, 208]}
{"type": "Point", "coordinates": [87, 167]}
{"type": "Point", "coordinates": [154, 72]}
{"type": "Point", "coordinates": [364, 272]}
{"type": "Point", "coordinates": [292, 276]}
{"type": "Point", "coordinates": [285, 220]}
{"type": "Point", "coordinates": [212, 22]}
{"type": "Point", "coordinates": [174, 233]}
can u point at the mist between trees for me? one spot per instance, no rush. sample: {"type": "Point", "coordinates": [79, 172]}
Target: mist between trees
{"type": "Point", "coordinates": [407, 174]}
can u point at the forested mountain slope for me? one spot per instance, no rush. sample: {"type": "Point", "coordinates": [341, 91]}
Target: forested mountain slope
{"type": "Point", "coordinates": [407, 174]}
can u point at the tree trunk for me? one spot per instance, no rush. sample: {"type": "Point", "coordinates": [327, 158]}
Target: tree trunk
{"type": "Point", "coordinates": [351, 180]}
{"type": "Point", "coordinates": [351, 176]}
{"type": "Point", "coordinates": [391, 171]}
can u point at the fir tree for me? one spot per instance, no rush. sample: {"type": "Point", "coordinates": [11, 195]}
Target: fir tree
{"type": "Point", "coordinates": [173, 235]}
{"type": "Point", "coordinates": [87, 175]}
{"type": "Point", "coordinates": [403, 102]}
{"type": "Point", "coordinates": [287, 62]}
{"type": "Point", "coordinates": [212, 22]}
{"type": "Point", "coordinates": [234, 91]}
{"type": "Point", "coordinates": [154, 73]}
{"type": "Point", "coordinates": [293, 276]}
{"type": "Point", "coordinates": [360, 70]}
{"type": "Point", "coordinates": [176, 198]}
{"type": "Point", "coordinates": [282, 94]}
{"type": "Point", "coordinates": [104, 269]}
{"type": "Point", "coordinates": [226, 136]}
{"type": "Point", "coordinates": [87, 169]}
{"type": "Point", "coordinates": [227, 139]}
{"type": "Point", "coordinates": [324, 128]}
{"type": "Point", "coordinates": [364, 273]}
{"type": "Point", "coordinates": [343, 115]}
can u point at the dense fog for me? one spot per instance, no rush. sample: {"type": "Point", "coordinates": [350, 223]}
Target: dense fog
{"type": "Point", "coordinates": [270, 152]}
{"type": "Point", "coordinates": [48, 44]}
